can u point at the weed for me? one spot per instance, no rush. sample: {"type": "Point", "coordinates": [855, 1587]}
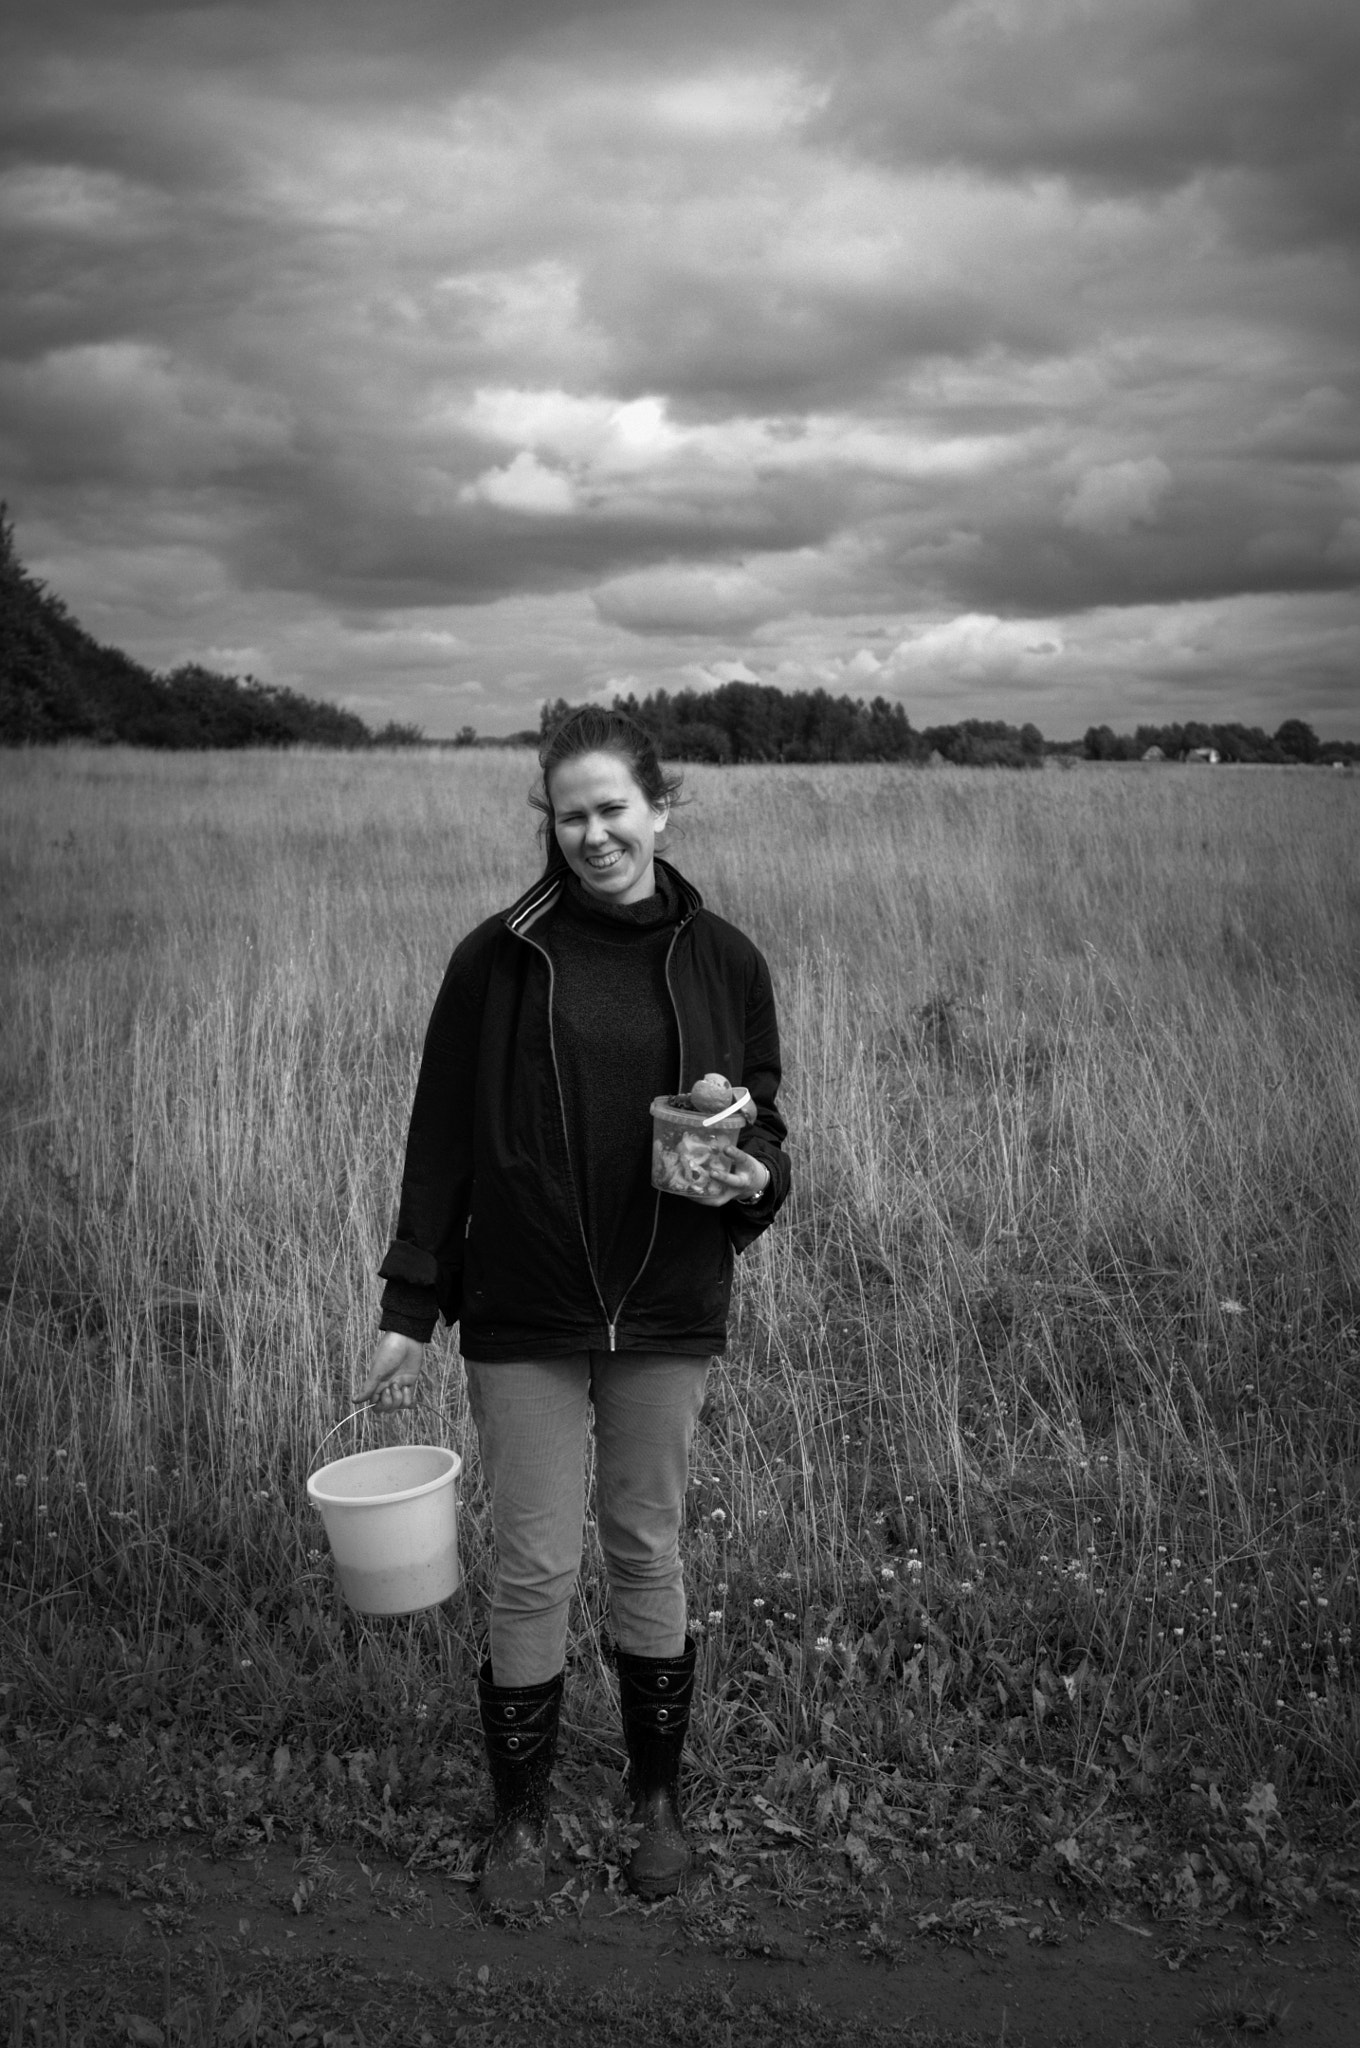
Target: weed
{"type": "Point", "coordinates": [317, 1885]}
{"type": "Point", "coordinates": [396, 1897]}
{"type": "Point", "coordinates": [1242, 2010]}
{"type": "Point", "coordinates": [72, 1864]}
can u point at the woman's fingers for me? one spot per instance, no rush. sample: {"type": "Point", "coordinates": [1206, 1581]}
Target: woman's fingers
{"type": "Point", "coordinates": [720, 1168]}
{"type": "Point", "coordinates": [394, 1374]}
{"type": "Point", "coordinates": [395, 1396]}
{"type": "Point", "coordinates": [753, 1174]}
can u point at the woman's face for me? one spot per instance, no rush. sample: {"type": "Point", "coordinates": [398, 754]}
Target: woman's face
{"type": "Point", "coordinates": [605, 826]}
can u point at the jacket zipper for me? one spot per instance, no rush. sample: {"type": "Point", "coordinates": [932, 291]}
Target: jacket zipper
{"type": "Point", "coordinates": [656, 1199]}
{"type": "Point", "coordinates": [610, 1323]}
{"type": "Point", "coordinates": [566, 1140]}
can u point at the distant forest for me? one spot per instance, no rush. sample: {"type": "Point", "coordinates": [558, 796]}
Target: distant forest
{"type": "Point", "coordinates": [1292, 741]}
{"type": "Point", "coordinates": [756, 722]}
{"type": "Point", "coordinates": [57, 683]}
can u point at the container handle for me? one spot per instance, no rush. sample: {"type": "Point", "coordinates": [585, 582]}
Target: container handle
{"type": "Point", "coordinates": [739, 1101]}
{"type": "Point", "coordinates": [362, 1409]}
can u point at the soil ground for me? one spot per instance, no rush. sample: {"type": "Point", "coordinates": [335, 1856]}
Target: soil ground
{"type": "Point", "coordinates": [140, 1943]}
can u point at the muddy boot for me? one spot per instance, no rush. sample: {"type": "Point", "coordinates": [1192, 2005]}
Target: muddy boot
{"type": "Point", "coordinates": [655, 1694]}
{"type": "Point", "coordinates": [519, 1723]}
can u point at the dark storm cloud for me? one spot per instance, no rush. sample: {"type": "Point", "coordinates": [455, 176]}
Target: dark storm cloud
{"type": "Point", "coordinates": [1135, 97]}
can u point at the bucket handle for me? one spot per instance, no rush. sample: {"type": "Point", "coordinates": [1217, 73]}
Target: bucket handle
{"type": "Point", "coordinates": [362, 1409]}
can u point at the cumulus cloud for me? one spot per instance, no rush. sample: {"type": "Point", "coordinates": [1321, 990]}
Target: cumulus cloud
{"type": "Point", "coordinates": [706, 600]}
{"type": "Point", "coordinates": [975, 648]}
{"type": "Point", "coordinates": [1118, 495]}
{"type": "Point", "coordinates": [524, 485]}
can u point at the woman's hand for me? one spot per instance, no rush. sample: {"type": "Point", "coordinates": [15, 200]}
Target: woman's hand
{"type": "Point", "coordinates": [741, 1173]}
{"type": "Point", "coordinates": [394, 1377]}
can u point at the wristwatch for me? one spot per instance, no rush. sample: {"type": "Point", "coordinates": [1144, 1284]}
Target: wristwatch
{"type": "Point", "coordinates": [750, 1201]}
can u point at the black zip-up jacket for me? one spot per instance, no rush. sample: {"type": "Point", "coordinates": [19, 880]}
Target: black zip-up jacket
{"type": "Point", "coordinates": [489, 1231]}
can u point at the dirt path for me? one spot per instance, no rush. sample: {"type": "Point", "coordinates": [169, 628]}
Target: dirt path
{"type": "Point", "coordinates": [338, 1942]}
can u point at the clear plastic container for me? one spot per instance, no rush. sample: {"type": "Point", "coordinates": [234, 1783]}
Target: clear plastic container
{"type": "Point", "coordinates": [685, 1143]}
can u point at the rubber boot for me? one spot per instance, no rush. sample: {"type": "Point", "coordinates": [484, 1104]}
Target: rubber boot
{"type": "Point", "coordinates": [655, 1695]}
{"type": "Point", "coordinates": [519, 1723]}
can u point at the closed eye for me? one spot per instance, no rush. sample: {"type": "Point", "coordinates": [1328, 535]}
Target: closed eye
{"type": "Point", "coordinates": [577, 817]}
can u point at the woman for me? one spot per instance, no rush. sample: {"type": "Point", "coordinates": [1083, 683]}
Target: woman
{"type": "Point", "coordinates": [528, 1217]}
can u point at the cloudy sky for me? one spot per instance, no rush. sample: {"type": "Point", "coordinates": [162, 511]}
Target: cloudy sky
{"type": "Point", "coordinates": [438, 356]}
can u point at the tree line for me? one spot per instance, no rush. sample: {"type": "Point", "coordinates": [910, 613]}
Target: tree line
{"type": "Point", "coordinates": [1294, 741]}
{"type": "Point", "coordinates": [741, 721]}
{"type": "Point", "coordinates": [58, 683]}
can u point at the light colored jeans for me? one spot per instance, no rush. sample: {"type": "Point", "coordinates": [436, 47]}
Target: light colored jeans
{"type": "Point", "coordinates": [531, 1430]}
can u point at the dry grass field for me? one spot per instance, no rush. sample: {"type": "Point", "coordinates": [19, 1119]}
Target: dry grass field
{"type": "Point", "coordinates": [1025, 1530]}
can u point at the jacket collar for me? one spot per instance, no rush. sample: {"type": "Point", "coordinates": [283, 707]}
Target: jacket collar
{"type": "Point", "coordinates": [540, 898]}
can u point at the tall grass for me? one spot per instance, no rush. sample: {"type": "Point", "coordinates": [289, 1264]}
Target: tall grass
{"type": "Point", "coordinates": [1036, 1448]}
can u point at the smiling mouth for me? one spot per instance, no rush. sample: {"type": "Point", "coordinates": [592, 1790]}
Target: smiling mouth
{"type": "Point", "coordinates": [600, 861]}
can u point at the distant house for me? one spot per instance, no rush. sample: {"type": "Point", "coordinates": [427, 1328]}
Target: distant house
{"type": "Point", "coordinates": [1206, 756]}
{"type": "Point", "coordinates": [1153, 754]}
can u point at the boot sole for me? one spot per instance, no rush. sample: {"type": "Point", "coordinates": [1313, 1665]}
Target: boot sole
{"type": "Point", "coordinates": [663, 1886]}
{"type": "Point", "coordinates": [528, 1894]}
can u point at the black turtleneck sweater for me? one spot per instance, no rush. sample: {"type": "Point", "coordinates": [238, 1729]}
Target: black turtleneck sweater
{"type": "Point", "coordinates": [617, 1046]}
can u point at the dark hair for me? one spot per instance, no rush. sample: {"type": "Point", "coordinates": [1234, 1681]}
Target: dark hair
{"type": "Point", "coordinates": [593, 730]}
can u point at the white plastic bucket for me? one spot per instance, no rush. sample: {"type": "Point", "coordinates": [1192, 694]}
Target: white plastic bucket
{"type": "Point", "coordinates": [391, 1519]}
